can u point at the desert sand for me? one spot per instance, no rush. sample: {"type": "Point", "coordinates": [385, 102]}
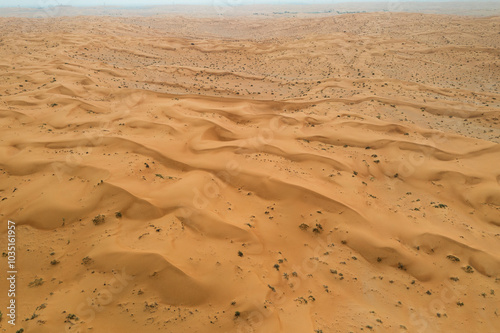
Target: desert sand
{"type": "Point", "coordinates": [294, 174]}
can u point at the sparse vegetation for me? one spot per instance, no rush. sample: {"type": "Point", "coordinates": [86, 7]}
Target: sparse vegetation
{"type": "Point", "coordinates": [468, 269]}
{"type": "Point", "coordinates": [72, 316]}
{"type": "Point", "coordinates": [33, 316]}
{"type": "Point", "coordinates": [151, 307]}
{"type": "Point", "coordinates": [318, 229]}
{"type": "Point", "coordinates": [99, 219]}
{"type": "Point", "coordinates": [87, 261]}
{"type": "Point", "coordinates": [233, 125]}
{"type": "Point", "coordinates": [440, 206]}
{"type": "Point", "coordinates": [303, 226]}
{"type": "Point", "coordinates": [37, 282]}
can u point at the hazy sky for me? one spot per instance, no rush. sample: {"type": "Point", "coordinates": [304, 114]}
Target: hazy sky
{"type": "Point", "coordinates": [45, 3]}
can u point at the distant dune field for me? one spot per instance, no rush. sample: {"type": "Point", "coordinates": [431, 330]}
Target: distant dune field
{"type": "Point", "coordinates": [299, 174]}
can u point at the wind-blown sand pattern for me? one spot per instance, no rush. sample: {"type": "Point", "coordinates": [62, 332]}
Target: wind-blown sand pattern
{"type": "Point", "coordinates": [329, 174]}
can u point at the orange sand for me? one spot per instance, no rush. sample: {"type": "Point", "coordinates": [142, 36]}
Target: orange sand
{"type": "Point", "coordinates": [335, 174]}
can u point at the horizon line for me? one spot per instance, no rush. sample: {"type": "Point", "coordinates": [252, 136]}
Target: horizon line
{"type": "Point", "coordinates": [249, 4]}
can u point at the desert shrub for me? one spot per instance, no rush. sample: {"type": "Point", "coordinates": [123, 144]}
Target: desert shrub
{"type": "Point", "coordinates": [86, 261]}
{"type": "Point", "coordinates": [468, 269]}
{"type": "Point", "coordinates": [36, 282]}
{"type": "Point", "coordinates": [303, 226]}
{"type": "Point", "coordinates": [99, 219]}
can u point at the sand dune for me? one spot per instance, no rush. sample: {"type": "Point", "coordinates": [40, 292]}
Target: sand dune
{"type": "Point", "coordinates": [333, 174]}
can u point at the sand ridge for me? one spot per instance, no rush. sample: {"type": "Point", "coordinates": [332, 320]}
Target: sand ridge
{"type": "Point", "coordinates": [335, 174]}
